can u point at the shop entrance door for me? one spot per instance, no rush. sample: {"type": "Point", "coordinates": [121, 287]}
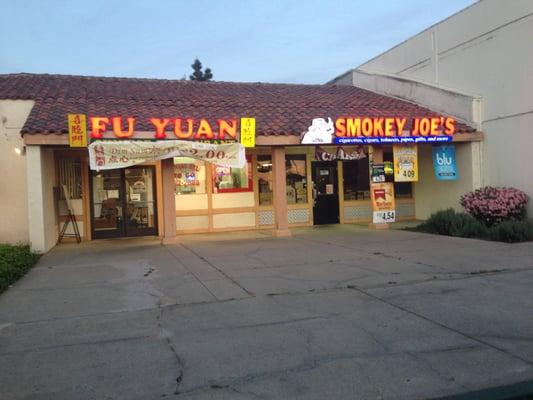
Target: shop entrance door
{"type": "Point", "coordinates": [123, 202]}
{"type": "Point", "coordinates": [325, 193]}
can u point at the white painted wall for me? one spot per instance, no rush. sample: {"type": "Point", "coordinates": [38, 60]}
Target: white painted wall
{"type": "Point", "coordinates": [485, 50]}
{"type": "Point", "coordinates": [13, 194]}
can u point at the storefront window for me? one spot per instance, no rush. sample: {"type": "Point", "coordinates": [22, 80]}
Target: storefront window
{"type": "Point", "coordinates": [356, 179]}
{"type": "Point", "coordinates": [296, 174]}
{"type": "Point", "coordinates": [189, 175]}
{"type": "Point", "coordinates": [264, 179]}
{"type": "Point", "coordinates": [227, 179]}
{"type": "Point", "coordinates": [402, 190]}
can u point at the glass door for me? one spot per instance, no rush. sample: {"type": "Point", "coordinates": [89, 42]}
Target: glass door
{"type": "Point", "coordinates": [107, 204]}
{"type": "Point", "coordinates": [140, 201]}
{"type": "Point", "coordinates": [123, 202]}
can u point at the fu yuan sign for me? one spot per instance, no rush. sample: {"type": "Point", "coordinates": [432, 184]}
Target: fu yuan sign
{"type": "Point", "coordinates": [368, 130]}
{"type": "Point", "coordinates": [173, 128]}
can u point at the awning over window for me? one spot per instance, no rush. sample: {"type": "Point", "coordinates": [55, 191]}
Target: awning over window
{"type": "Point", "coordinates": [104, 154]}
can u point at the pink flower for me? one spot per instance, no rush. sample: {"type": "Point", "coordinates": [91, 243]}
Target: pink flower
{"type": "Point", "coordinates": [494, 205]}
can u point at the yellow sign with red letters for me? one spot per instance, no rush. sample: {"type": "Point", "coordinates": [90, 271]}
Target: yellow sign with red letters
{"type": "Point", "coordinates": [77, 130]}
{"type": "Point", "coordinates": [248, 132]}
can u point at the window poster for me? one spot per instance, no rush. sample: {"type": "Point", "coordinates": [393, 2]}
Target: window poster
{"type": "Point", "coordinates": [383, 205]}
{"type": "Point", "coordinates": [444, 163]}
{"type": "Point", "coordinates": [378, 173]}
{"type": "Point", "coordinates": [405, 163]}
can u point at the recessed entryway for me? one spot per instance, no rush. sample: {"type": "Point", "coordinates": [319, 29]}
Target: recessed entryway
{"type": "Point", "coordinates": [123, 202]}
{"type": "Point", "coordinates": [325, 193]}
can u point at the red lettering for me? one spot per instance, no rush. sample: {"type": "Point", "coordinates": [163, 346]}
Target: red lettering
{"type": "Point", "coordinates": [400, 125]}
{"type": "Point", "coordinates": [229, 128]}
{"type": "Point", "coordinates": [99, 125]}
{"type": "Point", "coordinates": [378, 127]}
{"type": "Point", "coordinates": [204, 130]}
{"type": "Point", "coordinates": [179, 133]}
{"type": "Point", "coordinates": [117, 127]}
{"type": "Point", "coordinates": [160, 125]}
{"type": "Point", "coordinates": [340, 127]}
{"type": "Point", "coordinates": [449, 126]}
{"type": "Point", "coordinates": [434, 131]}
{"type": "Point", "coordinates": [366, 126]}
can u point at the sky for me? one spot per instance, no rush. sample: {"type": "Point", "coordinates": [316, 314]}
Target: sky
{"type": "Point", "coordinates": [280, 41]}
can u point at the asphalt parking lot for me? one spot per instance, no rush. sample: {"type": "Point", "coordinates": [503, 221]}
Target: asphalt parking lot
{"type": "Point", "coordinates": [336, 312]}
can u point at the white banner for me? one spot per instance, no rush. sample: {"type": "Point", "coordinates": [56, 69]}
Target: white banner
{"type": "Point", "coordinates": [104, 154]}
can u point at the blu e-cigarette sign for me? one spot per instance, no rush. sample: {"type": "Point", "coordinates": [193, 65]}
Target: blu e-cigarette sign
{"type": "Point", "coordinates": [444, 163]}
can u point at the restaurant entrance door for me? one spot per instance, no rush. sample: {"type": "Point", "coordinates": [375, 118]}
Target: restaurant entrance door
{"type": "Point", "coordinates": [123, 202]}
{"type": "Point", "coordinates": [325, 193]}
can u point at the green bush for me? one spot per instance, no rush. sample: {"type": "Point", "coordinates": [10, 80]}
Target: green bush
{"type": "Point", "coordinates": [448, 222]}
{"type": "Point", "coordinates": [512, 231]}
{"type": "Point", "coordinates": [15, 261]}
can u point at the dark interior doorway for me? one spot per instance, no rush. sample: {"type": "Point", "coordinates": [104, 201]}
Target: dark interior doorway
{"type": "Point", "coordinates": [325, 193]}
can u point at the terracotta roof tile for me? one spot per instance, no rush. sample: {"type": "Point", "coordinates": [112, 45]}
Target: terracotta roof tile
{"type": "Point", "coordinates": [279, 109]}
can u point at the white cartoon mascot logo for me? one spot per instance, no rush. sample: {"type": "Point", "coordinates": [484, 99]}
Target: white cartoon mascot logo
{"type": "Point", "coordinates": [320, 131]}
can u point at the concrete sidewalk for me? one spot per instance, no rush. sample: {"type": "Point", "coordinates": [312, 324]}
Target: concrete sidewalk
{"type": "Point", "coordinates": [333, 312]}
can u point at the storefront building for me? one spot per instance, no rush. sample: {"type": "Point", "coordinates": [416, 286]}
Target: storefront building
{"type": "Point", "coordinates": [478, 66]}
{"type": "Point", "coordinates": [284, 156]}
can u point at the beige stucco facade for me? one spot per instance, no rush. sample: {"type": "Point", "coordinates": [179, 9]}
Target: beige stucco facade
{"type": "Point", "coordinates": [432, 194]}
{"type": "Point", "coordinates": [13, 199]}
{"type": "Point", "coordinates": [478, 66]}
{"type": "Point", "coordinates": [41, 180]}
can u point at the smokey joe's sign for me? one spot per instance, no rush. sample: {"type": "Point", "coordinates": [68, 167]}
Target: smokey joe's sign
{"type": "Point", "coordinates": [367, 130]}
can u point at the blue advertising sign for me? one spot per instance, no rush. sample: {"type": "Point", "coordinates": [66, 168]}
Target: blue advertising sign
{"type": "Point", "coordinates": [445, 163]}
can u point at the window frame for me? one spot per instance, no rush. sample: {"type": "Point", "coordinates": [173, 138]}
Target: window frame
{"type": "Point", "coordinates": [300, 157]}
{"type": "Point", "coordinates": [205, 186]}
{"type": "Point", "coordinates": [250, 179]}
{"type": "Point", "coordinates": [345, 163]}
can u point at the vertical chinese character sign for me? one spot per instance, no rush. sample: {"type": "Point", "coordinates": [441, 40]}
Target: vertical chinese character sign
{"type": "Point", "coordinates": [247, 137]}
{"type": "Point", "coordinates": [77, 130]}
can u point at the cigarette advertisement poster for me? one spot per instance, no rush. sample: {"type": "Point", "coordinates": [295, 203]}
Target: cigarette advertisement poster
{"type": "Point", "coordinates": [383, 205]}
{"type": "Point", "coordinates": [405, 163]}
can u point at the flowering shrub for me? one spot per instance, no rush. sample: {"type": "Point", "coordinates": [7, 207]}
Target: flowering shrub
{"type": "Point", "coordinates": [493, 205]}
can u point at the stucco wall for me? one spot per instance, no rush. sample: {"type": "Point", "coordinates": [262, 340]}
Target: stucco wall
{"type": "Point", "coordinates": [51, 230]}
{"type": "Point", "coordinates": [484, 50]}
{"type": "Point", "coordinates": [13, 194]}
{"type": "Point", "coordinates": [432, 194]}
{"type": "Point", "coordinates": [43, 230]}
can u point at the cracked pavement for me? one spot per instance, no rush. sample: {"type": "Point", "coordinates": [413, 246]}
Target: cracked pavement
{"type": "Point", "coordinates": [333, 312]}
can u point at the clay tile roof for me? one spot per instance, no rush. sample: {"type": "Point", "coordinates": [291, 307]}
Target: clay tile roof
{"type": "Point", "coordinates": [279, 109]}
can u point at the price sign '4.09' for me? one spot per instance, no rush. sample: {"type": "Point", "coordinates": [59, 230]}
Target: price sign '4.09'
{"type": "Point", "coordinates": [405, 163]}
